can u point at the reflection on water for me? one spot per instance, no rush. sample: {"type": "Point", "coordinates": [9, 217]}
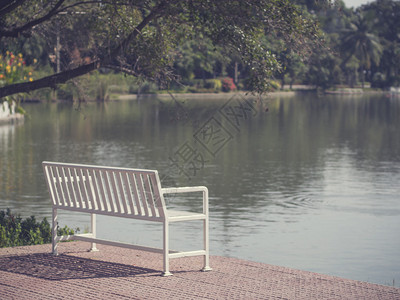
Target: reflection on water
{"type": "Point", "coordinates": [311, 183]}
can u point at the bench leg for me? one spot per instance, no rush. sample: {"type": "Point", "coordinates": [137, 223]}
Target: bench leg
{"type": "Point", "coordinates": [54, 232]}
{"type": "Point", "coordinates": [93, 230]}
{"type": "Point", "coordinates": [166, 249]}
{"type": "Point", "coordinates": [206, 246]}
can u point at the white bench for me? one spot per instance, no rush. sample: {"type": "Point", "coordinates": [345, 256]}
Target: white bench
{"type": "Point", "coordinates": [120, 192]}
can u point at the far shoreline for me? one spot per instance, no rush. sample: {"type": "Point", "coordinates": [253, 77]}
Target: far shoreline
{"type": "Point", "coordinates": [286, 92]}
{"type": "Point", "coordinates": [215, 96]}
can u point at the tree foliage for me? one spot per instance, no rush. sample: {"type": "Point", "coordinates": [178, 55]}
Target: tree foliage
{"type": "Point", "coordinates": [199, 42]}
{"type": "Point", "coordinates": [141, 37]}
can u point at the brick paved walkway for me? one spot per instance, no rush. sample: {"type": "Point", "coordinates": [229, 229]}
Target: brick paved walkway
{"type": "Point", "coordinates": [115, 273]}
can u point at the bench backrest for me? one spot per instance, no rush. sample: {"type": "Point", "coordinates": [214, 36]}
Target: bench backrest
{"type": "Point", "coordinates": [105, 190]}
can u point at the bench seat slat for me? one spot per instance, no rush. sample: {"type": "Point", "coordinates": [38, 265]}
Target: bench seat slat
{"type": "Point", "coordinates": [109, 213]}
{"type": "Point", "coordinates": [177, 215]}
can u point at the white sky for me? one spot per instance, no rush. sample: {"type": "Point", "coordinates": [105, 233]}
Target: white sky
{"type": "Point", "coordinates": [355, 3]}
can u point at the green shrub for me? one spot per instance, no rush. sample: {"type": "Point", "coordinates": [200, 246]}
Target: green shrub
{"type": "Point", "coordinates": [213, 84]}
{"type": "Point", "coordinates": [17, 232]}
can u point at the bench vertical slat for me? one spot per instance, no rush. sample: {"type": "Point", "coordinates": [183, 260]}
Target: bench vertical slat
{"type": "Point", "coordinates": [56, 186]}
{"type": "Point", "coordinates": [157, 196]}
{"type": "Point", "coordinates": [74, 179]}
{"type": "Point", "coordinates": [58, 183]}
{"type": "Point", "coordinates": [89, 190]}
{"type": "Point", "coordinates": [122, 191]}
{"type": "Point", "coordinates": [116, 191]}
{"type": "Point", "coordinates": [136, 194]}
{"type": "Point", "coordinates": [81, 188]}
{"type": "Point", "coordinates": [107, 192]}
{"type": "Point", "coordinates": [99, 190]}
{"type": "Point", "coordinates": [81, 183]}
{"type": "Point", "coordinates": [50, 181]}
{"type": "Point", "coordinates": [66, 174]}
{"type": "Point", "coordinates": [149, 195]}
{"type": "Point", "coordinates": [111, 192]}
{"type": "Point", "coordinates": [129, 192]}
{"type": "Point", "coordinates": [104, 185]}
{"type": "Point", "coordinates": [140, 184]}
{"type": "Point", "coordinates": [103, 191]}
{"type": "Point", "coordinates": [63, 186]}
{"type": "Point", "coordinates": [56, 179]}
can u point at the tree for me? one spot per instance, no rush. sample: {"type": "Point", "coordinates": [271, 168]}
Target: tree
{"type": "Point", "coordinates": [199, 58]}
{"type": "Point", "coordinates": [139, 37]}
{"type": "Point", "coordinates": [360, 42]}
{"type": "Point", "coordinates": [386, 17]}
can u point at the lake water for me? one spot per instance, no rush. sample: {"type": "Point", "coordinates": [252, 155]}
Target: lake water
{"type": "Point", "coordinates": [308, 182]}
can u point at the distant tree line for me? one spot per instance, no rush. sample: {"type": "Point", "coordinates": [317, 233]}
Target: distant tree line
{"type": "Point", "coordinates": [365, 47]}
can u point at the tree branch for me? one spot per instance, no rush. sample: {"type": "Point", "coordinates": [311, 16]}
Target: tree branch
{"type": "Point", "coordinates": [49, 81]}
{"type": "Point", "coordinates": [59, 78]}
{"type": "Point", "coordinates": [8, 6]}
{"type": "Point", "coordinates": [17, 31]}
{"type": "Point", "coordinates": [152, 15]}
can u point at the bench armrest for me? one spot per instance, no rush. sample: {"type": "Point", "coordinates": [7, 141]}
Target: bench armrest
{"type": "Point", "coordinates": [175, 190]}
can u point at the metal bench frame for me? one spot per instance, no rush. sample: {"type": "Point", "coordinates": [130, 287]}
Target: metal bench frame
{"type": "Point", "coordinates": [120, 192]}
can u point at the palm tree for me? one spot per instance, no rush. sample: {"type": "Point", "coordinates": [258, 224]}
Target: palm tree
{"type": "Point", "coordinates": [358, 41]}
